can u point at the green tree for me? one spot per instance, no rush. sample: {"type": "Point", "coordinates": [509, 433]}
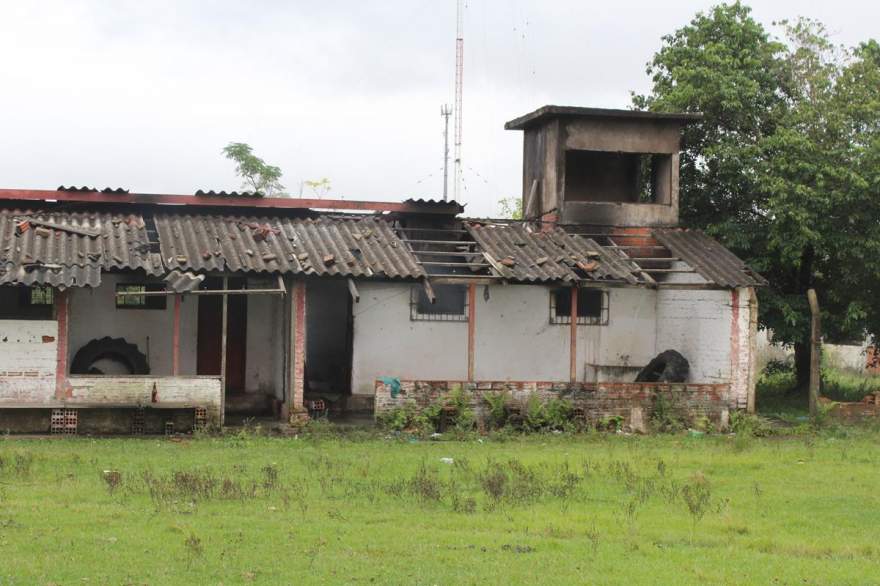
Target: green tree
{"type": "Point", "coordinates": [258, 175]}
{"type": "Point", "coordinates": [511, 208]}
{"type": "Point", "coordinates": [780, 168]}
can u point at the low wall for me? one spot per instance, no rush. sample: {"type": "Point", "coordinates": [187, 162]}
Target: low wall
{"type": "Point", "coordinates": [632, 401]}
{"type": "Point", "coordinates": [131, 391]}
{"type": "Point", "coordinates": [28, 359]}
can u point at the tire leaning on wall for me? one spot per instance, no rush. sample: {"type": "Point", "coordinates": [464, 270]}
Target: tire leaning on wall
{"type": "Point", "coordinates": [107, 348]}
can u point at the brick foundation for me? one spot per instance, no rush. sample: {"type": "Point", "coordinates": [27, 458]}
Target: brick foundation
{"type": "Point", "coordinates": [632, 401]}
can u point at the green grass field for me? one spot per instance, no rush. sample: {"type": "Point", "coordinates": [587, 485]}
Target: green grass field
{"type": "Point", "coordinates": [553, 509]}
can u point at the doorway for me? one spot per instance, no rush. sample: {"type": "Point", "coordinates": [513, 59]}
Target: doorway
{"type": "Point", "coordinates": [210, 334]}
{"type": "Point", "coordinates": [329, 346]}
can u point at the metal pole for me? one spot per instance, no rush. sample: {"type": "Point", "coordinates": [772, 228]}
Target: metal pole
{"type": "Point", "coordinates": [223, 353]}
{"type": "Point", "coordinates": [445, 111]}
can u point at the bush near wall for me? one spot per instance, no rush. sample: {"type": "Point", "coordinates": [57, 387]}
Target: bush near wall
{"type": "Point", "coordinates": [546, 405]}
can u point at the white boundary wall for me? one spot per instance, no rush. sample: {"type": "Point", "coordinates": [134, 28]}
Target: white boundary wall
{"type": "Point", "coordinates": [28, 360]}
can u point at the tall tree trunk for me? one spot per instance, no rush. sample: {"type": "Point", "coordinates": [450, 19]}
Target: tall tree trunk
{"type": "Point", "coordinates": [802, 366]}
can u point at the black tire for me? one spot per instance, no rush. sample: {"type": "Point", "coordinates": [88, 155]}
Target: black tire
{"type": "Point", "coordinates": [667, 367]}
{"type": "Point", "coordinates": [113, 348]}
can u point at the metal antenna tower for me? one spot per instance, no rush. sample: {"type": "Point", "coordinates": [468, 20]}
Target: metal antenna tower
{"type": "Point", "coordinates": [445, 111]}
{"type": "Point", "coordinates": [459, 78]}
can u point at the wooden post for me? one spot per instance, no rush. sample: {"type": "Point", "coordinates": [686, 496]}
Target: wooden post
{"type": "Point", "coordinates": [815, 350]}
{"type": "Point", "coordinates": [223, 352]}
{"type": "Point", "coordinates": [572, 367]}
{"type": "Point", "coordinates": [472, 329]}
{"type": "Point", "coordinates": [175, 338]}
{"type": "Point", "coordinates": [62, 305]}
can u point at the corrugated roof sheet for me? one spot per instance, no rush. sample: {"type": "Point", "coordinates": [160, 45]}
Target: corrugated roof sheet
{"type": "Point", "coordinates": [70, 249]}
{"type": "Point", "coordinates": [552, 255]}
{"type": "Point", "coordinates": [710, 259]}
{"type": "Point", "coordinates": [355, 247]}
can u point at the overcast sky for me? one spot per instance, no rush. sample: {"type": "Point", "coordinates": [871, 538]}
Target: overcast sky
{"type": "Point", "coordinates": [143, 94]}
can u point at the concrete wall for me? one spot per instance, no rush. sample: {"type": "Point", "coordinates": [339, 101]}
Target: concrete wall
{"type": "Point", "coordinates": [264, 368]}
{"type": "Point", "coordinates": [618, 351]}
{"type": "Point", "coordinates": [28, 358]}
{"type": "Point", "coordinates": [387, 343]}
{"type": "Point", "coordinates": [116, 391]}
{"type": "Point", "coordinates": [514, 339]}
{"type": "Point", "coordinates": [697, 323]}
{"type": "Point", "coordinates": [93, 314]}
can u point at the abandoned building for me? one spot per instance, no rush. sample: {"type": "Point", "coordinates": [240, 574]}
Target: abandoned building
{"type": "Point", "coordinates": [124, 312]}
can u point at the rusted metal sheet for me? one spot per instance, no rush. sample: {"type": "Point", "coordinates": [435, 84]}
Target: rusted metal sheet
{"type": "Point", "coordinates": [325, 246]}
{"type": "Point", "coordinates": [519, 253]}
{"type": "Point", "coordinates": [70, 249]}
{"type": "Point", "coordinates": [710, 259]}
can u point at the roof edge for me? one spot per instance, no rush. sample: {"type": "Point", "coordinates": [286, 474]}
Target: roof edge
{"type": "Point", "coordinates": [551, 111]}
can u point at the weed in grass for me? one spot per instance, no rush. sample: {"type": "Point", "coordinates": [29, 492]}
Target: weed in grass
{"type": "Point", "coordinates": [112, 479]}
{"type": "Point", "coordinates": [194, 548]}
{"type": "Point", "coordinates": [697, 495]}
{"type": "Point", "coordinates": [594, 537]}
{"type": "Point", "coordinates": [21, 464]}
{"type": "Point", "coordinates": [270, 477]}
{"type": "Point", "coordinates": [425, 484]}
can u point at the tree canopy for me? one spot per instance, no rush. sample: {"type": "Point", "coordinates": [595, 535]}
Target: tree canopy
{"type": "Point", "coordinates": [783, 168]}
{"type": "Point", "coordinates": [258, 175]}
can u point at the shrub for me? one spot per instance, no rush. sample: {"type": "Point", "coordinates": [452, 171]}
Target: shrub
{"type": "Point", "coordinates": [559, 414]}
{"type": "Point", "coordinates": [405, 418]}
{"type": "Point", "coordinates": [497, 409]}
{"type": "Point", "coordinates": [742, 423]}
{"type": "Point", "coordinates": [664, 417]}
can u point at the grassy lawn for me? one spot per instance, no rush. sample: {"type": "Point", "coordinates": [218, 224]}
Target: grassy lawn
{"type": "Point", "coordinates": [552, 509]}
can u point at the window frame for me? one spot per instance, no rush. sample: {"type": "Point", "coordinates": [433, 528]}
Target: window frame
{"type": "Point", "coordinates": [29, 293]}
{"type": "Point", "coordinates": [582, 320]}
{"type": "Point", "coordinates": [149, 303]}
{"type": "Point", "coordinates": [416, 315]}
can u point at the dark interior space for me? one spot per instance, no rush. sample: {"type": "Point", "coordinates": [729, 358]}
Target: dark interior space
{"type": "Point", "coordinates": [617, 177]}
{"type": "Point", "coordinates": [26, 302]}
{"type": "Point", "coordinates": [329, 326]}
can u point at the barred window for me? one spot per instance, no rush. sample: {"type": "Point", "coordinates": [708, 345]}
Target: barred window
{"type": "Point", "coordinates": [450, 304]}
{"type": "Point", "coordinates": [592, 306]}
{"type": "Point", "coordinates": [40, 296]}
{"type": "Point", "coordinates": [136, 299]}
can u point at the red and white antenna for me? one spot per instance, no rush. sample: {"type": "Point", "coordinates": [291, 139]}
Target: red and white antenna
{"type": "Point", "coordinates": [459, 78]}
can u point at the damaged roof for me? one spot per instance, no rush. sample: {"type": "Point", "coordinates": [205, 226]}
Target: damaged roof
{"type": "Point", "coordinates": [518, 252]}
{"type": "Point", "coordinates": [325, 246]}
{"type": "Point", "coordinates": [711, 260]}
{"type": "Point", "coordinates": [71, 249]}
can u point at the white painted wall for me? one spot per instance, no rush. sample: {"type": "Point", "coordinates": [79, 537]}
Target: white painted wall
{"type": "Point", "coordinates": [515, 339]}
{"type": "Point", "coordinates": [697, 323]}
{"type": "Point", "coordinates": [93, 314]}
{"type": "Point", "coordinates": [265, 323]}
{"type": "Point", "coordinates": [28, 357]}
{"type": "Point", "coordinates": [618, 351]}
{"type": "Point", "coordinates": [387, 343]}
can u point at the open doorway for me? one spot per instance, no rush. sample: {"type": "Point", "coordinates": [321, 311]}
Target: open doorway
{"type": "Point", "coordinates": [210, 334]}
{"type": "Point", "coordinates": [329, 326]}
